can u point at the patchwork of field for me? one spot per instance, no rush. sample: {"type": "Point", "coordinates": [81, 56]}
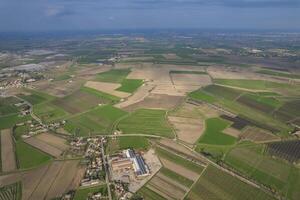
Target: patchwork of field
{"type": "Point", "coordinates": [96, 121]}
{"type": "Point", "coordinates": [258, 135]}
{"type": "Point", "coordinates": [48, 181]}
{"type": "Point", "coordinates": [156, 101]}
{"type": "Point", "coordinates": [48, 143]}
{"type": "Point", "coordinates": [216, 184]}
{"type": "Point", "coordinates": [7, 151]}
{"type": "Point", "coordinates": [173, 180]}
{"type": "Point", "coordinates": [8, 121]}
{"type": "Point", "coordinates": [146, 121]}
{"type": "Point", "coordinates": [253, 108]}
{"type": "Point", "coordinates": [141, 93]}
{"type": "Point", "coordinates": [109, 88]}
{"type": "Point", "coordinates": [274, 173]}
{"type": "Point", "coordinates": [84, 192]}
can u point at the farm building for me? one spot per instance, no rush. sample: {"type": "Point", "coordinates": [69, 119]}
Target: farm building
{"type": "Point", "coordinates": [120, 165]}
{"type": "Point", "coordinates": [139, 165]}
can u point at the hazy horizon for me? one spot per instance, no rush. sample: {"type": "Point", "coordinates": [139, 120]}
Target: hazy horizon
{"type": "Point", "coordinates": [75, 15]}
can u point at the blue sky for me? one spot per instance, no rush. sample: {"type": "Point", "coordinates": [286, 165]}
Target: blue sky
{"type": "Point", "coordinates": [50, 15]}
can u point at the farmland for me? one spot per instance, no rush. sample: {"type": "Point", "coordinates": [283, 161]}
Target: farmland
{"type": "Point", "coordinates": [95, 121]}
{"type": "Point", "coordinates": [280, 74]}
{"type": "Point", "coordinates": [289, 150]}
{"type": "Point", "coordinates": [84, 193]}
{"type": "Point", "coordinates": [216, 184]}
{"type": "Point", "coordinates": [29, 157]}
{"type": "Point", "coordinates": [130, 85]}
{"type": "Point", "coordinates": [49, 112]}
{"type": "Point", "coordinates": [7, 105]}
{"type": "Point", "coordinates": [146, 121]}
{"type": "Point", "coordinates": [274, 173]}
{"type": "Point", "coordinates": [9, 121]}
{"type": "Point", "coordinates": [11, 192]}
{"type": "Point", "coordinates": [213, 133]}
{"type": "Point", "coordinates": [113, 76]}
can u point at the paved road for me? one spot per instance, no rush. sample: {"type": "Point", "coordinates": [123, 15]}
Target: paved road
{"type": "Point", "coordinates": [106, 171]}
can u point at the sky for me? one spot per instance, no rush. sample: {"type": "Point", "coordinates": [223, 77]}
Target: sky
{"type": "Point", "coordinates": [53, 15]}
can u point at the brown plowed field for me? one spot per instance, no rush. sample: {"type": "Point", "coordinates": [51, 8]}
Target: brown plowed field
{"type": "Point", "coordinates": [179, 169]}
{"type": "Point", "coordinates": [105, 87]}
{"type": "Point", "coordinates": [258, 135]}
{"type": "Point", "coordinates": [167, 187]}
{"type": "Point", "coordinates": [187, 129]}
{"type": "Point", "coordinates": [53, 140]}
{"type": "Point", "coordinates": [43, 146]}
{"type": "Point", "coordinates": [232, 131]}
{"type": "Point", "coordinates": [157, 101]}
{"type": "Point", "coordinates": [7, 151]}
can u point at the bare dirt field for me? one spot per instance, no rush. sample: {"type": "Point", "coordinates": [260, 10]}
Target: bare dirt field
{"type": "Point", "coordinates": [7, 151]}
{"type": "Point", "coordinates": [157, 101]}
{"type": "Point", "coordinates": [59, 88]}
{"type": "Point", "coordinates": [43, 146]}
{"type": "Point", "coordinates": [232, 131]}
{"type": "Point", "coordinates": [189, 82]}
{"type": "Point", "coordinates": [53, 140]}
{"type": "Point", "coordinates": [107, 88]}
{"type": "Point", "coordinates": [258, 135]}
{"type": "Point", "coordinates": [187, 129]}
{"type": "Point", "coordinates": [141, 93]}
{"type": "Point", "coordinates": [179, 169]}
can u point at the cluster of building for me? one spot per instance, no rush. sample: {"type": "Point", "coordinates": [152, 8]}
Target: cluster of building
{"type": "Point", "coordinates": [95, 172]}
{"type": "Point", "coordinates": [129, 160]}
{"type": "Point", "coordinates": [34, 128]}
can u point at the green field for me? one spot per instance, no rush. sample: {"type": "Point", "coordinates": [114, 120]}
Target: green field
{"type": "Point", "coordinates": [276, 73]}
{"type": "Point", "coordinates": [7, 106]}
{"type": "Point", "coordinates": [84, 193]}
{"type": "Point", "coordinates": [62, 77]}
{"type": "Point", "coordinates": [11, 192]}
{"type": "Point", "coordinates": [113, 76]}
{"type": "Point", "coordinates": [146, 121]}
{"type": "Point", "coordinates": [148, 194]}
{"type": "Point", "coordinates": [176, 177]}
{"type": "Point", "coordinates": [106, 97]}
{"type": "Point", "coordinates": [202, 96]}
{"type": "Point", "coordinates": [216, 184]}
{"type": "Point", "coordinates": [49, 112]}
{"type": "Point", "coordinates": [29, 157]}
{"type": "Point", "coordinates": [223, 92]}
{"type": "Point", "coordinates": [9, 121]}
{"type": "Point", "coordinates": [33, 98]}
{"type": "Point", "coordinates": [281, 176]}
{"type": "Point", "coordinates": [213, 133]}
{"type": "Point", "coordinates": [130, 85]}
{"type": "Point", "coordinates": [133, 142]}
{"type": "Point", "coordinates": [95, 121]}
{"type": "Point", "coordinates": [251, 84]}
{"type": "Point", "coordinates": [179, 160]}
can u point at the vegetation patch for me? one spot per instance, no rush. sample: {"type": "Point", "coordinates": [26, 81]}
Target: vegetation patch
{"type": "Point", "coordinates": [146, 121]}
{"type": "Point", "coordinates": [113, 76]}
{"type": "Point", "coordinates": [130, 85]}
{"type": "Point", "coordinates": [223, 92]}
{"type": "Point", "coordinates": [176, 177]}
{"type": "Point", "coordinates": [149, 194]}
{"type": "Point", "coordinates": [7, 106]}
{"type": "Point", "coordinates": [133, 142]}
{"type": "Point", "coordinates": [29, 157]}
{"type": "Point", "coordinates": [96, 121]}
{"type": "Point", "coordinates": [186, 72]}
{"type": "Point", "coordinates": [202, 96]}
{"type": "Point", "coordinates": [276, 73]}
{"type": "Point", "coordinates": [9, 121]}
{"type": "Point", "coordinates": [288, 150]}
{"type": "Point", "coordinates": [213, 133]}
{"type": "Point", "coordinates": [179, 160]}
{"type": "Point", "coordinates": [86, 193]}
{"type": "Point", "coordinates": [49, 112]}
{"type": "Point", "coordinates": [216, 184]}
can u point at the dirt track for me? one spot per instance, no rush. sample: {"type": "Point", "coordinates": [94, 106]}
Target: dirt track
{"type": "Point", "coordinates": [7, 151]}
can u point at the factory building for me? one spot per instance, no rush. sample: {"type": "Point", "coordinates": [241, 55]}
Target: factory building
{"type": "Point", "coordinates": [139, 165]}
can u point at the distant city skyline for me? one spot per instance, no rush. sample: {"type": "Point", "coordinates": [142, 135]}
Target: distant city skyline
{"type": "Point", "coordinates": [53, 15]}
